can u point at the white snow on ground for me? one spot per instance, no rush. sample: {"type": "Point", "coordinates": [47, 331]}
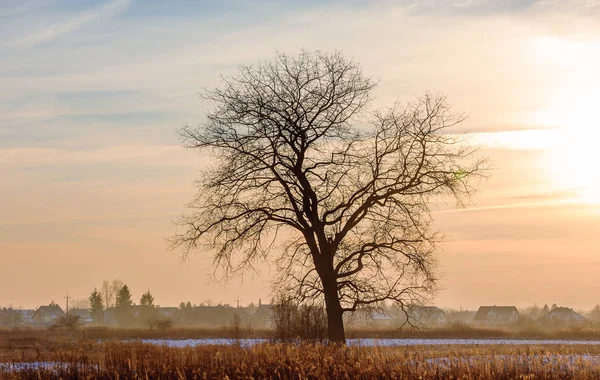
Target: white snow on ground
{"type": "Point", "coordinates": [15, 367]}
{"type": "Point", "coordinates": [560, 360]}
{"type": "Point", "coordinates": [557, 361]}
{"type": "Point", "coordinates": [26, 366]}
{"type": "Point", "coordinates": [373, 342]}
{"type": "Point", "coordinates": [203, 342]}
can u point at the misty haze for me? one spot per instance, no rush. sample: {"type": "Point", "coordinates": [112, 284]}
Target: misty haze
{"type": "Point", "coordinates": [286, 189]}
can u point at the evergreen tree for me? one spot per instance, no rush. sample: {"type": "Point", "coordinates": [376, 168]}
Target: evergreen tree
{"type": "Point", "coordinates": [148, 313]}
{"type": "Point", "coordinates": [96, 306]}
{"type": "Point", "coordinates": [545, 309]}
{"type": "Point", "coordinates": [147, 299]}
{"type": "Point", "coordinates": [124, 307]}
{"type": "Point", "coordinates": [123, 298]}
{"type": "Point", "coordinates": [595, 313]}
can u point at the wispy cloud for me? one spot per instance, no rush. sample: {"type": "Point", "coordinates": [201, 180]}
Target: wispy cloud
{"type": "Point", "coordinates": [56, 30]}
{"type": "Point", "coordinates": [509, 206]}
{"type": "Point", "coordinates": [23, 7]}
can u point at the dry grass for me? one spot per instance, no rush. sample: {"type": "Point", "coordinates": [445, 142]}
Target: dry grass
{"type": "Point", "coordinates": [141, 361]}
{"type": "Point", "coordinates": [101, 353]}
{"type": "Point", "coordinates": [45, 336]}
{"type": "Point", "coordinates": [469, 332]}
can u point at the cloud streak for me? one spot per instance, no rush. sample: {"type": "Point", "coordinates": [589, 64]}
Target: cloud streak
{"type": "Point", "coordinates": [508, 206]}
{"type": "Point", "coordinates": [57, 30]}
{"type": "Point", "coordinates": [26, 7]}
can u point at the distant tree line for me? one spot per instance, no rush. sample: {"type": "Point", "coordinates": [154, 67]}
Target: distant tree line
{"type": "Point", "coordinates": [116, 296]}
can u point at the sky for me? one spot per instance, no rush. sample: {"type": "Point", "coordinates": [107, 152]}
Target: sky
{"type": "Point", "coordinates": [93, 174]}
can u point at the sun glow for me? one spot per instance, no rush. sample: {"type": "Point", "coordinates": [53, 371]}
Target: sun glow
{"type": "Point", "coordinates": [574, 103]}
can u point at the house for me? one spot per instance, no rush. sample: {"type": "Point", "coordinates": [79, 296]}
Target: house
{"type": "Point", "coordinates": [114, 316]}
{"type": "Point", "coordinates": [428, 316]}
{"type": "Point", "coordinates": [172, 313]}
{"type": "Point", "coordinates": [26, 316]}
{"type": "Point", "coordinates": [382, 318]}
{"type": "Point", "coordinates": [84, 315]}
{"type": "Point", "coordinates": [110, 316]}
{"type": "Point", "coordinates": [496, 315]}
{"type": "Point", "coordinates": [46, 315]}
{"type": "Point", "coordinates": [370, 318]}
{"type": "Point", "coordinates": [15, 317]}
{"type": "Point", "coordinates": [460, 316]}
{"type": "Point", "coordinates": [220, 315]}
{"type": "Point", "coordinates": [562, 315]}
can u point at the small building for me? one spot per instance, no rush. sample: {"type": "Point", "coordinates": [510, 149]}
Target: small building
{"type": "Point", "coordinates": [110, 316]}
{"type": "Point", "coordinates": [46, 315]}
{"type": "Point", "coordinates": [370, 318]}
{"type": "Point", "coordinates": [382, 318]}
{"type": "Point", "coordinates": [496, 315]}
{"type": "Point", "coordinates": [84, 315]}
{"type": "Point", "coordinates": [428, 316]}
{"type": "Point", "coordinates": [172, 313]}
{"type": "Point", "coordinates": [209, 316]}
{"type": "Point", "coordinates": [26, 316]}
{"type": "Point", "coordinates": [562, 315]}
{"type": "Point", "coordinates": [12, 317]}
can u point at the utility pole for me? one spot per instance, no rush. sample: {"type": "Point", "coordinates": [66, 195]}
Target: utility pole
{"type": "Point", "coordinates": [67, 298]}
{"type": "Point", "coordinates": [238, 302]}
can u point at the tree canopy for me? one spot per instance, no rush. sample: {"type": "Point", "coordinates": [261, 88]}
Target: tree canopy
{"type": "Point", "coordinates": [306, 175]}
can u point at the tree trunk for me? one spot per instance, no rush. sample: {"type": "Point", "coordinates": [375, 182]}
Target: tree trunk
{"type": "Point", "coordinates": [335, 322]}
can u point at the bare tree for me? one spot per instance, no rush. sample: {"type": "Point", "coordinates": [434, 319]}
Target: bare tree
{"type": "Point", "coordinates": [109, 290]}
{"type": "Point", "coordinates": [306, 176]}
{"type": "Point", "coordinates": [107, 293]}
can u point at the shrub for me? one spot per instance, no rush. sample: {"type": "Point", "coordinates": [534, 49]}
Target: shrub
{"type": "Point", "coordinates": [69, 322]}
{"type": "Point", "coordinates": [160, 323]}
{"type": "Point", "coordinates": [295, 321]}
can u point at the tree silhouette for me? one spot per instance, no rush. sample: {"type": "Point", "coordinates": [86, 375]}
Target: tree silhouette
{"type": "Point", "coordinates": [147, 299]}
{"type": "Point", "coordinates": [124, 306]}
{"type": "Point", "coordinates": [306, 176]}
{"type": "Point", "coordinates": [123, 298]}
{"type": "Point", "coordinates": [96, 306]}
{"type": "Point", "coordinates": [148, 312]}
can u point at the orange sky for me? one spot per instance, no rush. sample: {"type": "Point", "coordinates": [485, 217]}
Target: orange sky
{"type": "Point", "coordinates": [92, 172]}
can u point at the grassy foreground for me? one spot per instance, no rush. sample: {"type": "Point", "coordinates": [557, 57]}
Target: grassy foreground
{"type": "Point", "coordinates": [103, 353]}
{"type": "Point", "coordinates": [134, 360]}
{"type": "Point", "coordinates": [45, 336]}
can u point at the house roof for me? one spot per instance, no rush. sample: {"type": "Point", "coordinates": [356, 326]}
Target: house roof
{"type": "Point", "coordinates": [82, 313]}
{"type": "Point", "coordinates": [503, 312]}
{"type": "Point", "coordinates": [381, 315]}
{"type": "Point", "coordinates": [425, 312]}
{"type": "Point", "coordinates": [167, 308]}
{"type": "Point", "coordinates": [50, 310]}
{"type": "Point", "coordinates": [563, 313]}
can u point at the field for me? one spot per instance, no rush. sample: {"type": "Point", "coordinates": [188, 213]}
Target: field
{"type": "Point", "coordinates": [121, 353]}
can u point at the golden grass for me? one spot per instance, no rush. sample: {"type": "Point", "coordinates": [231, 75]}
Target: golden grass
{"type": "Point", "coordinates": [454, 332]}
{"type": "Point", "coordinates": [469, 332]}
{"type": "Point", "coordinates": [135, 360]}
{"type": "Point", "coordinates": [102, 353]}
